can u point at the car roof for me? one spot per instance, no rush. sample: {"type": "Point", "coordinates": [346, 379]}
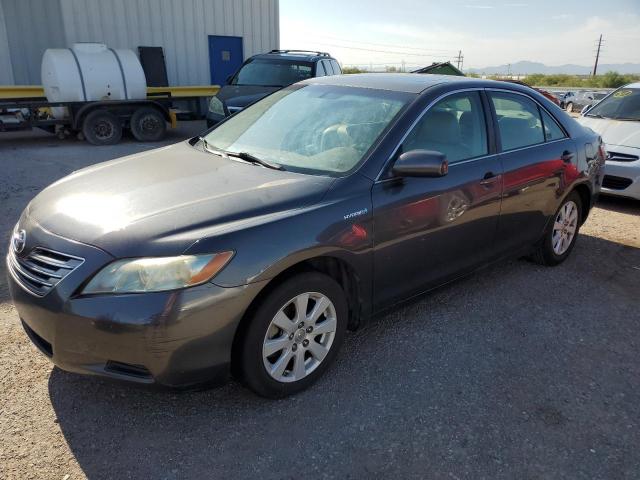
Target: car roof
{"type": "Point", "coordinates": [405, 82]}
{"type": "Point", "coordinates": [295, 55]}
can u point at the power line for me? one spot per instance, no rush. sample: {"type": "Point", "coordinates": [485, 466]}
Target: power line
{"type": "Point", "coordinates": [442, 50]}
{"type": "Point", "coordinates": [384, 51]}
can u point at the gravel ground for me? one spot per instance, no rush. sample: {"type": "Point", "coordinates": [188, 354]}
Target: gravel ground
{"type": "Point", "coordinates": [518, 371]}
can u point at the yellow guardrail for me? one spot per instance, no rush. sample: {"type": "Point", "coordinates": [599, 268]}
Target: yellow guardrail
{"type": "Point", "coordinates": [37, 91]}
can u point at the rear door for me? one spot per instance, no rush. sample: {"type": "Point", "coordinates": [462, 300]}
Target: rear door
{"type": "Point", "coordinates": [536, 155]}
{"type": "Point", "coordinates": [428, 230]}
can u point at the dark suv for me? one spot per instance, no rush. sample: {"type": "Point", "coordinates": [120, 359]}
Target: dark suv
{"type": "Point", "coordinates": [265, 73]}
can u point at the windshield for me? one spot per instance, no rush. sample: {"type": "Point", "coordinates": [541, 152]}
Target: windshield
{"type": "Point", "coordinates": [312, 129]}
{"type": "Point", "coordinates": [623, 104]}
{"type": "Point", "coordinates": [272, 73]}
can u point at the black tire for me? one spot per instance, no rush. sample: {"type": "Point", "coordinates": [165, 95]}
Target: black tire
{"type": "Point", "coordinates": [148, 125]}
{"type": "Point", "coordinates": [252, 369]}
{"type": "Point", "coordinates": [544, 253]}
{"type": "Point", "coordinates": [102, 127]}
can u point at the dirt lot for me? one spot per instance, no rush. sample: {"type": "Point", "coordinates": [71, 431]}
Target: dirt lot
{"type": "Point", "coordinates": [517, 372]}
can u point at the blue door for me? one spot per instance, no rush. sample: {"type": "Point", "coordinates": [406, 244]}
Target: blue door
{"type": "Point", "coordinates": [225, 57]}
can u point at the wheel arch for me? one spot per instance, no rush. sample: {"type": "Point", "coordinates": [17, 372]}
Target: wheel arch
{"type": "Point", "coordinates": [584, 191]}
{"type": "Point", "coordinates": [333, 266]}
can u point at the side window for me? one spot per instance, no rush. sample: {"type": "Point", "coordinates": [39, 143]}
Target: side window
{"type": "Point", "coordinates": [552, 130]}
{"type": "Point", "coordinates": [320, 69]}
{"type": "Point", "coordinates": [336, 67]}
{"type": "Point", "coordinates": [454, 126]}
{"type": "Point", "coordinates": [327, 67]}
{"type": "Point", "coordinates": [518, 120]}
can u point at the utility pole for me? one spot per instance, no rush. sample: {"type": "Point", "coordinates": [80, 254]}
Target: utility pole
{"type": "Point", "coordinates": [595, 67]}
{"type": "Point", "coordinates": [459, 59]}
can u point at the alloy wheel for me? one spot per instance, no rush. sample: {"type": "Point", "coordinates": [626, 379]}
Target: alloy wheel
{"type": "Point", "coordinates": [564, 227]}
{"type": "Point", "coordinates": [299, 337]}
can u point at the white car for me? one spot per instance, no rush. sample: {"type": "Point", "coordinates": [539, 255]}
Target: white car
{"type": "Point", "coordinates": [617, 119]}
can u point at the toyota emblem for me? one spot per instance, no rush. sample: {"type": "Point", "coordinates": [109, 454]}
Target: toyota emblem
{"type": "Point", "coordinates": [18, 240]}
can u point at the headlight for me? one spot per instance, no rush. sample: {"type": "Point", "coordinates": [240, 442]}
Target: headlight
{"type": "Point", "coordinates": [156, 274]}
{"type": "Point", "coordinates": [216, 106]}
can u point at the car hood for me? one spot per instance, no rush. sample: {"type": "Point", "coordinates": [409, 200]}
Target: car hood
{"type": "Point", "coordinates": [614, 132]}
{"type": "Point", "coordinates": [243, 95]}
{"type": "Point", "coordinates": [162, 201]}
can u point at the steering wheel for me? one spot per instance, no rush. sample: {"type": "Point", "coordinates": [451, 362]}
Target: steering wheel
{"type": "Point", "coordinates": [335, 136]}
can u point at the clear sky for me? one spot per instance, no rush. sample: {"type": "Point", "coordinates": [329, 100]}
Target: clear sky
{"type": "Point", "coordinates": [489, 32]}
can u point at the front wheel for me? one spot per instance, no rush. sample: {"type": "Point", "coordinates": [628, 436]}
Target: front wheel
{"type": "Point", "coordinates": [569, 107]}
{"type": "Point", "coordinates": [294, 335]}
{"type": "Point", "coordinates": [561, 233]}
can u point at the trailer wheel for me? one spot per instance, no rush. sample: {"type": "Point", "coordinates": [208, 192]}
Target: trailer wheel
{"type": "Point", "coordinates": [148, 125]}
{"type": "Point", "coordinates": [102, 127]}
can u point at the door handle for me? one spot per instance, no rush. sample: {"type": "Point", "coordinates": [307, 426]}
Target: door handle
{"type": "Point", "coordinates": [489, 178]}
{"type": "Point", "coordinates": [567, 156]}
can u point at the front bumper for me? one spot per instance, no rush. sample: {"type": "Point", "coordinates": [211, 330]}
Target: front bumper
{"type": "Point", "coordinates": [175, 339]}
{"type": "Point", "coordinates": [622, 178]}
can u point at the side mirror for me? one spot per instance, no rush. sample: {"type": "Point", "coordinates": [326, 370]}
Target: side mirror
{"type": "Point", "coordinates": [585, 109]}
{"type": "Point", "coordinates": [421, 163]}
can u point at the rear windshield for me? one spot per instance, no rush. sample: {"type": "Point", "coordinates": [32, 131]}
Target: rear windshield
{"type": "Point", "coordinates": [272, 73]}
{"type": "Point", "coordinates": [623, 104]}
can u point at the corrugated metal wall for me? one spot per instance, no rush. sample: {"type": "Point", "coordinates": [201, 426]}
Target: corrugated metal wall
{"type": "Point", "coordinates": [6, 71]}
{"type": "Point", "coordinates": [32, 27]}
{"type": "Point", "coordinates": [181, 27]}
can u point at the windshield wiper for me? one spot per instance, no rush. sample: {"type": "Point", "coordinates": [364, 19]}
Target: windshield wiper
{"type": "Point", "coordinates": [247, 157]}
{"type": "Point", "coordinates": [210, 149]}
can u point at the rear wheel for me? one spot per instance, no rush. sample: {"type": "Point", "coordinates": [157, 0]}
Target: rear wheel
{"type": "Point", "coordinates": [294, 335]}
{"type": "Point", "coordinates": [561, 233]}
{"type": "Point", "coordinates": [148, 125]}
{"type": "Point", "coordinates": [569, 107]}
{"type": "Point", "coordinates": [102, 127]}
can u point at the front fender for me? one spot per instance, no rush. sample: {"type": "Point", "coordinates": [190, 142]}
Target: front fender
{"type": "Point", "coordinates": [340, 226]}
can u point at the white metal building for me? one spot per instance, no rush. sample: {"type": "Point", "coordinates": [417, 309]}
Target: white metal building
{"type": "Point", "coordinates": [202, 39]}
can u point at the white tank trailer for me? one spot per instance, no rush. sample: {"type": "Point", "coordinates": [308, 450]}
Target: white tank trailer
{"type": "Point", "coordinates": [90, 72]}
{"type": "Point", "coordinates": [96, 93]}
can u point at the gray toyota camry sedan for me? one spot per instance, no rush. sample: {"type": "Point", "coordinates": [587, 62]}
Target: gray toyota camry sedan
{"type": "Point", "coordinates": [253, 248]}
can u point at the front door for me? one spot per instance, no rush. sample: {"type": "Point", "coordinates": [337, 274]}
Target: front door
{"type": "Point", "coordinates": [225, 57]}
{"type": "Point", "coordinates": [429, 230]}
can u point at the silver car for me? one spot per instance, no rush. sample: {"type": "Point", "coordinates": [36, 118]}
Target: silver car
{"type": "Point", "coordinates": [617, 119]}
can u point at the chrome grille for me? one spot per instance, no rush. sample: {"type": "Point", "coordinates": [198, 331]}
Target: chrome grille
{"type": "Point", "coordinates": [42, 269]}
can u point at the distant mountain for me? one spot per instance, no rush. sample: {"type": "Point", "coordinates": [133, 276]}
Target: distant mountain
{"type": "Point", "coordinates": [525, 67]}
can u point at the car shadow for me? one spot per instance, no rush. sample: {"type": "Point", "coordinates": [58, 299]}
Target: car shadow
{"type": "Point", "coordinates": [469, 378]}
{"type": "Point", "coordinates": [619, 204]}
